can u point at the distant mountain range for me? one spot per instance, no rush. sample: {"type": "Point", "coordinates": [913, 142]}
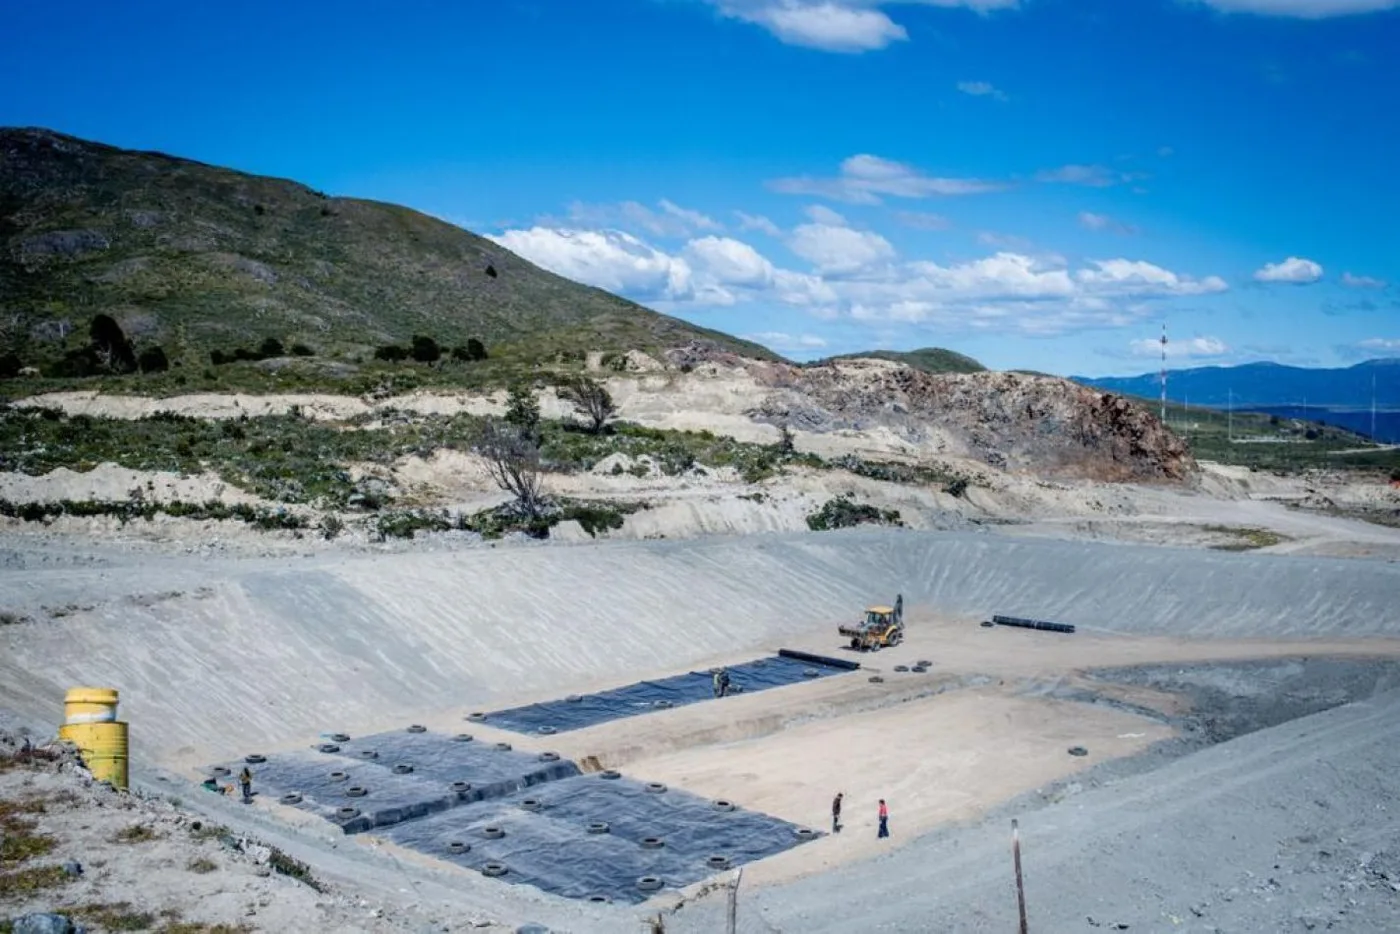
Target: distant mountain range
{"type": "Point", "coordinates": [1267, 385]}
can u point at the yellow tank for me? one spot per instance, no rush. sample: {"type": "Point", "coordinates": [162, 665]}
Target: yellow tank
{"type": "Point", "coordinates": [93, 727]}
{"type": "Point", "coordinates": [90, 705]}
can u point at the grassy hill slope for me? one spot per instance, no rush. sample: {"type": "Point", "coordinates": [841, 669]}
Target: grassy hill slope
{"type": "Point", "coordinates": [195, 258]}
{"type": "Point", "coordinates": [928, 359]}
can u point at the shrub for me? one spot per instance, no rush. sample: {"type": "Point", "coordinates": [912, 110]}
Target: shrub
{"type": "Point", "coordinates": [10, 365]}
{"type": "Point", "coordinates": [301, 350]}
{"type": "Point", "coordinates": [111, 345]}
{"type": "Point", "coordinates": [271, 347]}
{"type": "Point", "coordinates": [844, 512]}
{"type": "Point", "coordinates": [592, 400]}
{"type": "Point", "coordinates": [425, 349]}
{"type": "Point", "coordinates": [331, 526]}
{"type": "Point", "coordinates": [153, 360]}
{"type": "Point", "coordinates": [390, 352]}
{"type": "Point", "coordinates": [476, 349]}
{"type": "Point", "coordinates": [523, 410]}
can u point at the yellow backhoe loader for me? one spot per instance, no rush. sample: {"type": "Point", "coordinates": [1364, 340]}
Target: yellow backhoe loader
{"type": "Point", "coordinates": [882, 626]}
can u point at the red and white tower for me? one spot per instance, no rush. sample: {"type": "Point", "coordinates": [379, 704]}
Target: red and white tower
{"type": "Point", "coordinates": [1164, 372]}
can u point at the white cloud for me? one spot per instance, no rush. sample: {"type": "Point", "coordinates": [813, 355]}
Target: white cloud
{"type": "Point", "coordinates": [757, 222]}
{"type": "Point", "coordinates": [830, 26]}
{"type": "Point", "coordinates": [786, 343]}
{"type": "Point", "coordinates": [1122, 276]}
{"type": "Point", "coordinates": [849, 26]}
{"type": "Point", "coordinates": [1103, 222]}
{"type": "Point", "coordinates": [1302, 9]}
{"type": "Point", "coordinates": [1362, 282]}
{"type": "Point", "coordinates": [1385, 345]}
{"type": "Point", "coordinates": [1195, 347]}
{"type": "Point", "coordinates": [821, 214]}
{"type": "Point", "coordinates": [729, 262]}
{"type": "Point", "coordinates": [857, 275]}
{"type": "Point", "coordinates": [1295, 270]}
{"type": "Point", "coordinates": [839, 250]}
{"type": "Point", "coordinates": [982, 89]}
{"type": "Point", "coordinates": [922, 220]}
{"type": "Point", "coordinates": [671, 221]}
{"type": "Point", "coordinates": [608, 259]}
{"type": "Point", "coordinates": [1092, 176]}
{"type": "Point", "coordinates": [864, 178]}
{"type": "Point", "coordinates": [693, 218]}
{"type": "Point", "coordinates": [1003, 241]}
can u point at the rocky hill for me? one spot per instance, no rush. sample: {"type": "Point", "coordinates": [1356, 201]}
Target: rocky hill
{"type": "Point", "coordinates": [194, 258]}
{"type": "Point", "coordinates": [1032, 424]}
{"type": "Point", "coordinates": [928, 359]}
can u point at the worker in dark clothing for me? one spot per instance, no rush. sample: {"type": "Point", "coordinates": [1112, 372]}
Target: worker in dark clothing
{"type": "Point", "coordinates": [884, 819]}
{"type": "Point", "coordinates": [245, 780]}
{"type": "Point", "coordinates": [724, 682]}
{"type": "Point", "coordinates": [836, 812]}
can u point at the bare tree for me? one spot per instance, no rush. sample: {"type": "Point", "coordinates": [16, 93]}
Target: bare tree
{"type": "Point", "coordinates": [592, 399]}
{"type": "Point", "coordinates": [513, 459]}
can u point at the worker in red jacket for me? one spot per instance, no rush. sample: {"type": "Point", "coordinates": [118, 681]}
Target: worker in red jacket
{"type": "Point", "coordinates": [884, 819]}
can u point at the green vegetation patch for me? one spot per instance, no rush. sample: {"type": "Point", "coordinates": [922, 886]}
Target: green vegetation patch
{"type": "Point", "coordinates": [1271, 443]}
{"type": "Point", "coordinates": [843, 512]}
{"type": "Point", "coordinates": [1245, 539]}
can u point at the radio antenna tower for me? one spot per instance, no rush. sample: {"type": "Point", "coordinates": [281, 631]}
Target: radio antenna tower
{"type": "Point", "coordinates": [1164, 372]}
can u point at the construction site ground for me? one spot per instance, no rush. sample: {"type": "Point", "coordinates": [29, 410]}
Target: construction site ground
{"type": "Point", "coordinates": [220, 657]}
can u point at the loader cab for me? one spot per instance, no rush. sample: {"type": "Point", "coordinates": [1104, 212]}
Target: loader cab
{"type": "Point", "coordinates": [879, 617]}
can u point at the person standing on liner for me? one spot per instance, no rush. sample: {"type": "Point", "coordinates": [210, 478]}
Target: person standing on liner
{"type": "Point", "coordinates": [245, 779]}
{"type": "Point", "coordinates": [884, 819]}
{"type": "Point", "coordinates": [836, 812]}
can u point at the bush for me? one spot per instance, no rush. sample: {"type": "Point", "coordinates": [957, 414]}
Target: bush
{"type": "Point", "coordinates": [301, 350]}
{"type": "Point", "coordinates": [425, 349]}
{"type": "Point", "coordinates": [10, 365]}
{"type": "Point", "coordinates": [271, 347]}
{"type": "Point", "coordinates": [844, 512]}
{"type": "Point", "coordinates": [1395, 475]}
{"type": "Point", "coordinates": [153, 360]}
{"type": "Point", "coordinates": [476, 350]}
{"type": "Point", "coordinates": [331, 526]}
{"type": "Point", "coordinates": [391, 352]}
{"type": "Point", "coordinates": [111, 345]}
{"type": "Point", "coordinates": [523, 410]}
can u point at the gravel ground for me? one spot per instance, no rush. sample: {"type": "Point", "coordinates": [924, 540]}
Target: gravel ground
{"type": "Point", "coordinates": [1290, 827]}
{"type": "Point", "coordinates": [222, 655]}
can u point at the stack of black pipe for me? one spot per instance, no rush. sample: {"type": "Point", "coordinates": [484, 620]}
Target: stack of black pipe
{"type": "Point", "coordinates": [1032, 624]}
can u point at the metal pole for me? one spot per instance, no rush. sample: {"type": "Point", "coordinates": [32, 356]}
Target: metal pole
{"type": "Point", "coordinates": [732, 926]}
{"type": "Point", "coordinates": [1020, 887]}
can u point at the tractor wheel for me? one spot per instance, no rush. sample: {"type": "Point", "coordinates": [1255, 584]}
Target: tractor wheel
{"type": "Point", "coordinates": [855, 644]}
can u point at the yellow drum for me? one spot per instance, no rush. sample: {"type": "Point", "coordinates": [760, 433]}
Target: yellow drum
{"type": "Point", "coordinates": [92, 726]}
{"type": "Point", "coordinates": [90, 705]}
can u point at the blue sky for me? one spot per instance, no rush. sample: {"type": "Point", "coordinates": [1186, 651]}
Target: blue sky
{"type": "Point", "coordinates": [1038, 183]}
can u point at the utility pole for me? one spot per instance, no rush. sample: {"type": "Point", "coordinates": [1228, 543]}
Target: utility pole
{"type": "Point", "coordinates": [1373, 404]}
{"type": "Point", "coordinates": [732, 916]}
{"type": "Point", "coordinates": [1230, 414]}
{"type": "Point", "coordinates": [1164, 373]}
{"type": "Point", "coordinates": [1020, 888]}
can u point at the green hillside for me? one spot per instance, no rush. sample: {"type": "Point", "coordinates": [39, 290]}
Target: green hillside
{"type": "Point", "coordinates": [196, 258]}
{"type": "Point", "coordinates": [928, 359]}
